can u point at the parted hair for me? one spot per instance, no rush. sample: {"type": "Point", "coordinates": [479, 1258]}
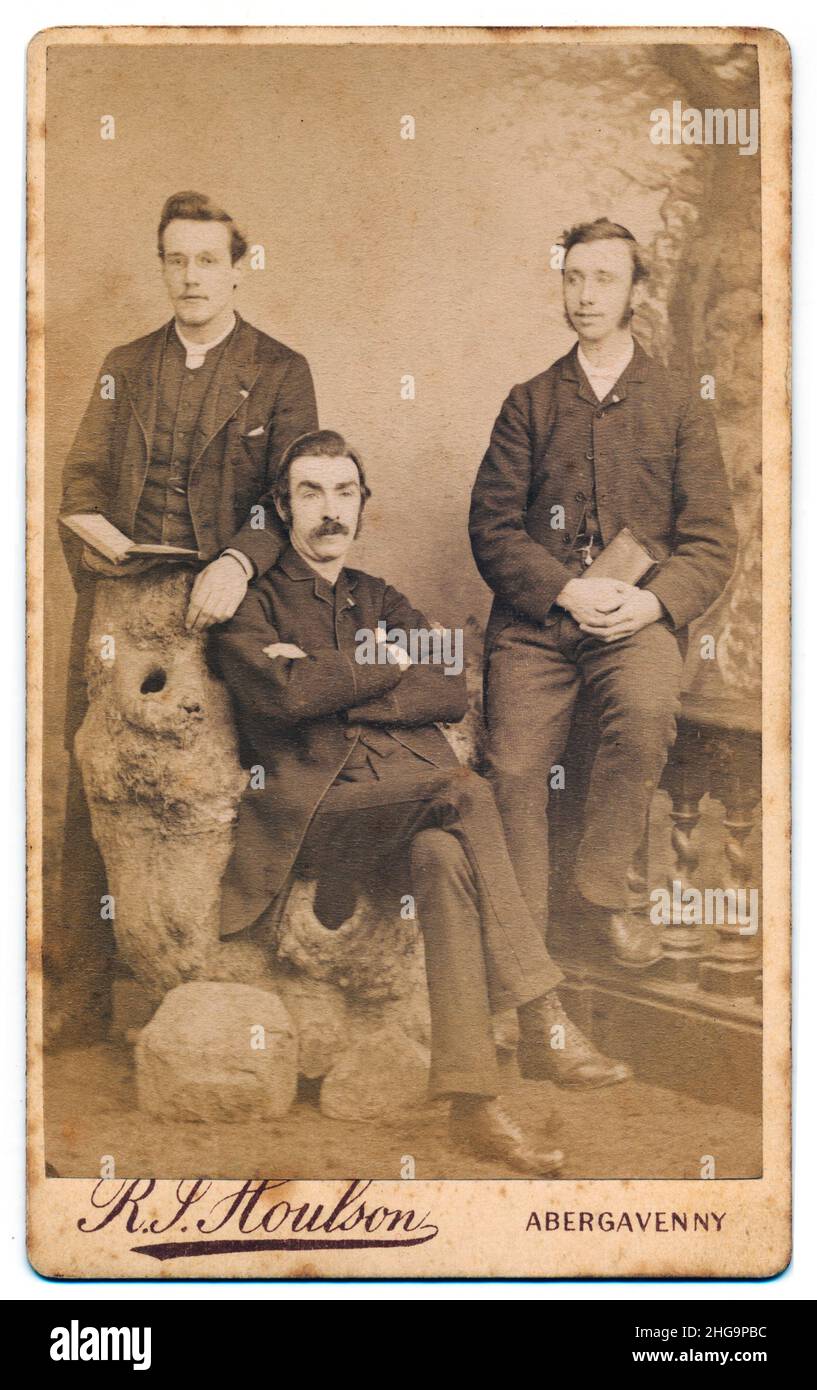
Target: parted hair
{"type": "Point", "coordinates": [605, 230]}
{"type": "Point", "coordinates": [197, 207]}
{"type": "Point", "coordinates": [316, 444]}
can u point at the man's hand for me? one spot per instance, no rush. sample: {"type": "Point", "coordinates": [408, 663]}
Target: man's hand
{"type": "Point", "coordinates": [588, 600]}
{"type": "Point", "coordinates": [287, 650]}
{"type": "Point", "coordinates": [397, 655]}
{"type": "Point", "coordinates": [638, 609]}
{"type": "Point", "coordinates": [217, 592]}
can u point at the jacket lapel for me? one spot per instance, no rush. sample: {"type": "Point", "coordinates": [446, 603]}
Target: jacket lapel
{"type": "Point", "coordinates": [571, 371]}
{"type": "Point", "coordinates": [636, 370]}
{"type": "Point", "coordinates": [238, 373]}
{"type": "Point", "coordinates": [142, 380]}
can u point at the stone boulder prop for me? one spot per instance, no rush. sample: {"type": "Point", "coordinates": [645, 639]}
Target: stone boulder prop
{"type": "Point", "coordinates": [382, 1073]}
{"type": "Point", "coordinates": [217, 1052]}
{"type": "Point", "coordinates": [159, 759]}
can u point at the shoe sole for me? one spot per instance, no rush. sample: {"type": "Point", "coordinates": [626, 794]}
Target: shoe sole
{"type": "Point", "coordinates": [593, 1085]}
{"type": "Point", "coordinates": [551, 1170]}
{"type": "Point", "coordinates": [535, 1074]}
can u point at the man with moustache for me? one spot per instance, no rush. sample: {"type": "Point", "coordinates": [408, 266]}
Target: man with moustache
{"type": "Point", "coordinates": [178, 446]}
{"type": "Point", "coordinates": [362, 793]}
{"type": "Point", "coordinates": [605, 439]}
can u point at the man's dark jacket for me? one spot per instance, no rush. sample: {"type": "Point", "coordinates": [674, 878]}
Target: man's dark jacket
{"type": "Point", "coordinates": [651, 450]}
{"type": "Point", "coordinates": [300, 718]}
{"type": "Point", "coordinates": [265, 399]}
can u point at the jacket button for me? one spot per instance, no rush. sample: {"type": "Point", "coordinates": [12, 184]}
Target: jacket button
{"type": "Point", "coordinates": [589, 455]}
{"type": "Point", "coordinates": [580, 497]}
{"type": "Point", "coordinates": [566, 538]}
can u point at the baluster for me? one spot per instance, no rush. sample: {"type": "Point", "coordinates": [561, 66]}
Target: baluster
{"type": "Point", "coordinates": [685, 780]}
{"type": "Point", "coordinates": [732, 968]}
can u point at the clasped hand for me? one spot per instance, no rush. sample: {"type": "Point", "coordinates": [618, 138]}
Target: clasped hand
{"type": "Point", "coordinates": [608, 608]}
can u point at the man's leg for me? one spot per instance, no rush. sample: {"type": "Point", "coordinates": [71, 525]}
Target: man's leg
{"type": "Point", "coordinates": [371, 848]}
{"type": "Point", "coordinates": [368, 846]}
{"type": "Point", "coordinates": [490, 916]}
{"type": "Point", "coordinates": [447, 899]}
{"type": "Point", "coordinates": [635, 685]}
{"type": "Point", "coordinates": [531, 689]}
{"type": "Point", "coordinates": [365, 829]}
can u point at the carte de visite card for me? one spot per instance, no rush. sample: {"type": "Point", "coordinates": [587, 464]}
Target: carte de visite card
{"type": "Point", "coordinates": [408, 649]}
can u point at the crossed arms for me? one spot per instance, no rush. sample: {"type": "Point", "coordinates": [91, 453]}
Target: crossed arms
{"type": "Point", "coordinates": [325, 681]}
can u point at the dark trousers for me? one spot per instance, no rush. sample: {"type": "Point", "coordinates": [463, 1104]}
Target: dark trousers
{"type": "Point", "coordinates": [533, 677]}
{"type": "Point", "coordinates": [409, 827]}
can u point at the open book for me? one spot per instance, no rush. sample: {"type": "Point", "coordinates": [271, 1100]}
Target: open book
{"type": "Point", "coordinates": [107, 540]}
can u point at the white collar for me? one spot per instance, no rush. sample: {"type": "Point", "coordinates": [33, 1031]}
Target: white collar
{"type": "Point", "coordinates": [606, 373]}
{"type": "Point", "coordinates": [196, 352]}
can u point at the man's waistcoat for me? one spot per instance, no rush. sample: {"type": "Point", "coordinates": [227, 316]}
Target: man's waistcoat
{"type": "Point", "coordinates": [163, 514]}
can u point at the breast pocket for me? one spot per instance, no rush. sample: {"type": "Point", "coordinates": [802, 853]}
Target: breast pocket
{"type": "Point", "coordinates": [250, 457]}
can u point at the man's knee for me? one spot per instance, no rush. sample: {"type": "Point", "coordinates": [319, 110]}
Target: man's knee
{"type": "Point", "coordinates": [644, 719]}
{"type": "Point", "coordinates": [466, 790]}
{"type": "Point", "coordinates": [435, 851]}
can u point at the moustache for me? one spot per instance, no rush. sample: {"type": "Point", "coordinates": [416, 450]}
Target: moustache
{"type": "Point", "coordinates": [330, 528]}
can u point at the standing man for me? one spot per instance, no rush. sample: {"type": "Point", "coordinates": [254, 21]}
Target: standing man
{"type": "Point", "coordinates": [362, 791]}
{"type": "Point", "coordinates": [186, 426]}
{"type": "Point", "coordinates": [178, 445]}
{"type": "Point", "coordinates": [604, 439]}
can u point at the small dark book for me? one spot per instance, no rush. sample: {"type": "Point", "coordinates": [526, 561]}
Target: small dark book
{"type": "Point", "coordinates": [624, 558]}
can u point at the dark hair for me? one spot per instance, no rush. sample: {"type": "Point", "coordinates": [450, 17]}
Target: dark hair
{"type": "Point", "coordinates": [197, 207]}
{"type": "Point", "coordinates": [316, 444]}
{"type": "Point", "coordinates": [605, 230]}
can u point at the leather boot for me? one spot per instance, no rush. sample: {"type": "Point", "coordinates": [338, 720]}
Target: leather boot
{"type": "Point", "coordinates": [634, 941]}
{"type": "Point", "coordinates": [577, 1065]}
{"type": "Point", "coordinates": [484, 1128]}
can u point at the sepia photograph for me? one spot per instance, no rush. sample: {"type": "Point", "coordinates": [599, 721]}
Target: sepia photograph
{"type": "Point", "coordinates": [408, 562]}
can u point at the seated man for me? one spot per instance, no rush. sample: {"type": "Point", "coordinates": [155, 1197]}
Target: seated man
{"type": "Point", "coordinates": [607, 440]}
{"type": "Point", "coordinates": [360, 782]}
